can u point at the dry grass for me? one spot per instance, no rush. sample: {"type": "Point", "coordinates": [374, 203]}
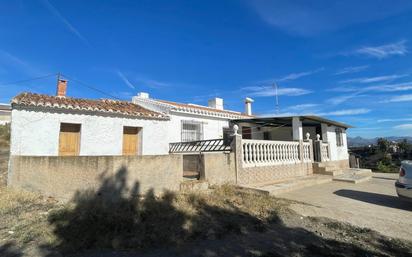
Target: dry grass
{"type": "Point", "coordinates": [129, 222]}
{"type": "Point", "coordinates": [24, 217]}
{"type": "Point", "coordinates": [169, 220]}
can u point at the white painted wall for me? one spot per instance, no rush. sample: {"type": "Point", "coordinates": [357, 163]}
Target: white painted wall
{"type": "Point", "coordinates": [37, 133]}
{"type": "Point", "coordinates": [336, 152]}
{"type": "Point", "coordinates": [212, 126]}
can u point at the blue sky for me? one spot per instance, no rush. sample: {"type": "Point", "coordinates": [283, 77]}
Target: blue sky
{"type": "Point", "coordinates": [345, 60]}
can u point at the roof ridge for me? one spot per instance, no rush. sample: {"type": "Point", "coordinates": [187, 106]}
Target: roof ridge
{"type": "Point", "coordinates": [101, 105]}
{"type": "Point", "coordinates": [199, 107]}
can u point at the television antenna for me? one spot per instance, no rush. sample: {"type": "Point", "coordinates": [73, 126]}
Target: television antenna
{"type": "Point", "coordinates": [275, 86]}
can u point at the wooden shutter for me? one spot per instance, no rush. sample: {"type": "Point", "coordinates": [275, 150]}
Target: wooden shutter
{"type": "Point", "coordinates": [69, 139]}
{"type": "Point", "coordinates": [130, 140]}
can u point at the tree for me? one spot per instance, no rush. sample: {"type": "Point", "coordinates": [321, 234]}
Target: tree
{"type": "Point", "coordinates": [383, 145]}
{"type": "Point", "coordinates": [404, 146]}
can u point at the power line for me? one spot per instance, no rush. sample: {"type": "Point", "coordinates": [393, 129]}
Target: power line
{"type": "Point", "coordinates": [90, 87]}
{"type": "Point", "coordinates": [27, 80]}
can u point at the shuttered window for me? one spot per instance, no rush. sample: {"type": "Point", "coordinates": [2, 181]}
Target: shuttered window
{"type": "Point", "coordinates": [130, 140]}
{"type": "Point", "coordinates": [191, 131]}
{"type": "Point", "coordinates": [339, 137]}
{"type": "Point", "coordinates": [69, 139]}
{"type": "Point", "coordinates": [246, 132]}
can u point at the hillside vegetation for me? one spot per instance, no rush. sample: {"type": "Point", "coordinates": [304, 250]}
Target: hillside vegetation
{"type": "Point", "coordinates": [385, 156]}
{"type": "Point", "coordinates": [4, 152]}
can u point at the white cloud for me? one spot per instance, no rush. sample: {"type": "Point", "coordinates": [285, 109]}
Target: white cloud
{"type": "Point", "coordinates": [301, 107]}
{"type": "Point", "coordinates": [378, 88]}
{"type": "Point", "coordinates": [308, 18]}
{"type": "Point", "coordinates": [263, 91]}
{"type": "Point", "coordinates": [62, 19]}
{"type": "Point", "coordinates": [394, 120]}
{"type": "Point", "coordinates": [342, 98]}
{"type": "Point", "coordinates": [298, 75]}
{"type": "Point", "coordinates": [9, 60]}
{"type": "Point", "coordinates": [351, 69]}
{"type": "Point", "coordinates": [125, 80]}
{"type": "Point", "coordinates": [400, 98]}
{"type": "Point", "coordinates": [346, 112]}
{"type": "Point", "coordinates": [384, 51]}
{"type": "Point", "coordinates": [151, 82]}
{"type": "Point", "coordinates": [404, 126]}
{"type": "Point", "coordinates": [374, 79]}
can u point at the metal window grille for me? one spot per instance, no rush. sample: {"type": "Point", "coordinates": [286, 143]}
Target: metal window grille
{"type": "Point", "coordinates": [191, 130]}
{"type": "Point", "coordinates": [339, 137]}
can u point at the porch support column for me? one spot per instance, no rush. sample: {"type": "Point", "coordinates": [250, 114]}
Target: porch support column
{"type": "Point", "coordinates": [324, 127]}
{"type": "Point", "coordinates": [237, 150]}
{"type": "Point", "coordinates": [297, 129]}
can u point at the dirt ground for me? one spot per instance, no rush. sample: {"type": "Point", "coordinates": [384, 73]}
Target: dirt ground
{"type": "Point", "coordinates": [372, 204]}
{"type": "Point", "coordinates": [228, 223]}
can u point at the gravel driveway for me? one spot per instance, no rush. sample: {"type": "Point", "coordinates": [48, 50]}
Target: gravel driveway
{"type": "Point", "coordinates": [372, 204]}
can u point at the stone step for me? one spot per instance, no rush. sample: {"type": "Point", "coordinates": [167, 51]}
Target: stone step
{"type": "Point", "coordinates": [354, 176]}
{"type": "Point", "coordinates": [330, 172]}
{"type": "Point", "coordinates": [285, 186]}
{"type": "Point", "coordinates": [194, 185]}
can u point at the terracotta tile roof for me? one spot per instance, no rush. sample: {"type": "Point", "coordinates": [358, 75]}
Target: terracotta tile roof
{"type": "Point", "coordinates": [204, 108]}
{"type": "Point", "coordinates": [103, 105]}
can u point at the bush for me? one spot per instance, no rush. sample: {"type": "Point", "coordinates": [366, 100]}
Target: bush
{"type": "Point", "coordinates": [5, 134]}
{"type": "Point", "coordinates": [386, 167]}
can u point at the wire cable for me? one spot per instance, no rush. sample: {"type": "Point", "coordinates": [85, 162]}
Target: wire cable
{"type": "Point", "coordinates": [27, 80]}
{"type": "Point", "coordinates": [91, 87]}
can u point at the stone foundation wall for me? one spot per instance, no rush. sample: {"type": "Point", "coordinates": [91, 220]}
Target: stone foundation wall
{"type": "Point", "coordinates": [255, 175]}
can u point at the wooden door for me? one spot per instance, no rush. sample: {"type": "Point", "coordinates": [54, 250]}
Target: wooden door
{"type": "Point", "coordinates": [130, 140]}
{"type": "Point", "coordinates": [69, 139]}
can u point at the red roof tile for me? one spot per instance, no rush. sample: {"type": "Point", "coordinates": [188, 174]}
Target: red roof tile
{"type": "Point", "coordinates": [103, 105]}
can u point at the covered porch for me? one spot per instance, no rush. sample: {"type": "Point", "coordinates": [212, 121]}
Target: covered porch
{"type": "Point", "coordinates": [294, 138]}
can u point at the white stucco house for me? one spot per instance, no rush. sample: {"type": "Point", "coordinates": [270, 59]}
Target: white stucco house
{"type": "Point", "coordinates": [44, 125]}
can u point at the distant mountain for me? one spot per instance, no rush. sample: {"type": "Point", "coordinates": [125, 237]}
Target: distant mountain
{"type": "Point", "coordinates": [360, 141]}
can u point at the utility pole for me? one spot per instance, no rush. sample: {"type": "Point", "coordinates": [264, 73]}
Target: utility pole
{"type": "Point", "coordinates": [276, 98]}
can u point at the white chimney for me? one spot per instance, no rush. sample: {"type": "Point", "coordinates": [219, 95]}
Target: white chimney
{"type": "Point", "coordinates": [216, 103]}
{"type": "Point", "coordinates": [143, 95]}
{"type": "Point", "coordinates": [248, 105]}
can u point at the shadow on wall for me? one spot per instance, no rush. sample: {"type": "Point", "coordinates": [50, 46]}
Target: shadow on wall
{"type": "Point", "coordinates": [115, 217]}
{"type": "Point", "coordinates": [374, 198]}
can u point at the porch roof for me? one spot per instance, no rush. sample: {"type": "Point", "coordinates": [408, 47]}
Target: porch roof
{"type": "Point", "coordinates": [287, 121]}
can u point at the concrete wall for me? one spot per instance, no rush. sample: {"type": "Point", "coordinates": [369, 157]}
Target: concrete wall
{"type": "Point", "coordinates": [218, 168]}
{"type": "Point", "coordinates": [61, 177]}
{"type": "Point", "coordinates": [36, 133]}
{"type": "Point", "coordinates": [336, 152]}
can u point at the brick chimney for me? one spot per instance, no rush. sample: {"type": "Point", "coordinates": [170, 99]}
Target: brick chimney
{"type": "Point", "coordinates": [61, 87]}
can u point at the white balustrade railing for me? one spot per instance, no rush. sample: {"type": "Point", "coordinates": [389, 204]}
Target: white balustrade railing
{"type": "Point", "coordinates": [265, 152]}
{"type": "Point", "coordinates": [307, 152]}
{"type": "Point", "coordinates": [324, 151]}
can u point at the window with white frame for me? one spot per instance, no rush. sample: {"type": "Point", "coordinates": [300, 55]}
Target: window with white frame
{"type": "Point", "coordinates": [191, 130]}
{"type": "Point", "coordinates": [339, 136]}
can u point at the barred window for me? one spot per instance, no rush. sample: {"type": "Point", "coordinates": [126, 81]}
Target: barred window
{"type": "Point", "coordinates": [339, 137]}
{"type": "Point", "coordinates": [191, 130]}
